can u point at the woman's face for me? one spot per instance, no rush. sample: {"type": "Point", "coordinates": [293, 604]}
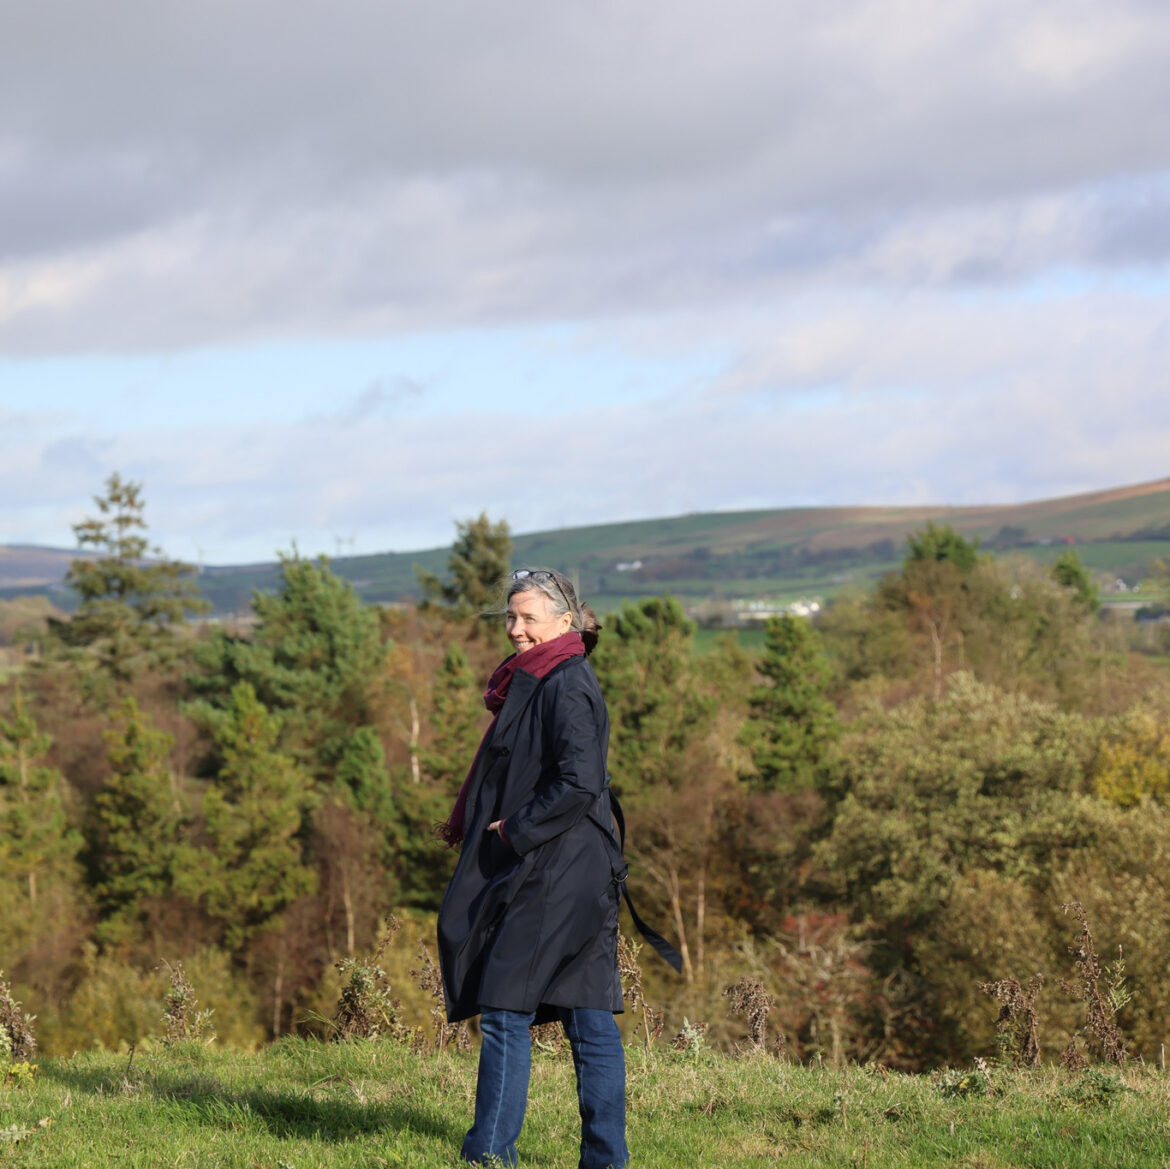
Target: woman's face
{"type": "Point", "coordinates": [529, 620]}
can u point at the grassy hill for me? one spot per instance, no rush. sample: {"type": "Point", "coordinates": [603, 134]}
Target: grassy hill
{"type": "Point", "coordinates": [781, 554]}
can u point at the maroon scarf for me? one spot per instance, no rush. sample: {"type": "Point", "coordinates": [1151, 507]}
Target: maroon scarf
{"type": "Point", "coordinates": [538, 661]}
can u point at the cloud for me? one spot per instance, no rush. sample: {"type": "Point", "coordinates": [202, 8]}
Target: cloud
{"type": "Point", "coordinates": [377, 398]}
{"type": "Point", "coordinates": [878, 250]}
{"type": "Point", "coordinates": [177, 176]}
{"type": "Point", "coordinates": [834, 401]}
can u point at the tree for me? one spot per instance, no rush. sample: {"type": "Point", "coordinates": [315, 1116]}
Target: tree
{"type": "Point", "coordinates": [362, 779]}
{"type": "Point", "coordinates": [931, 591]}
{"type": "Point", "coordinates": [645, 661]}
{"type": "Point", "coordinates": [456, 722]}
{"type": "Point", "coordinates": [981, 778]}
{"type": "Point", "coordinates": [131, 601]}
{"type": "Point", "coordinates": [314, 657]}
{"type": "Point", "coordinates": [1134, 762]}
{"type": "Point", "coordinates": [455, 725]}
{"type": "Point", "coordinates": [791, 722]}
{"type": "Point", "coordinates": [35, 832]}
{"type": "Point", "coordinates": [945, 807]}
{"type": "Point", "coordinates": [666, 760]}
{"type": "Point", "coordinates": [1011, 624]}
{"type": "Point", "coordinates": [1070, 573]}
{"type": "Point", "coordinates": [252, 866]}
{"type": "Point", "coordinates": [479, 561]}
{"type": "Point", "coordinates": [38, 845]}
{"type": "Point", "coordinates": [943, 545]}
{"type": "Point", "coordinates": [135, 828]}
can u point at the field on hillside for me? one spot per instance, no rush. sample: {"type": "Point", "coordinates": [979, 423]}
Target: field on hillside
{"type": "Point", "coordinates": [301, 1104]}
{"type": "Point", "coordinates": [783, 554]}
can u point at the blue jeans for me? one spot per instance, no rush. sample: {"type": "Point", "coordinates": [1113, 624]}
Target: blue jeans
{"type": "Point", "coordinates": [501, 1092]}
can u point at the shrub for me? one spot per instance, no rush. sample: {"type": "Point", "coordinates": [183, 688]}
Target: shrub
{"type": "Point", "coordinates": [749, 997]}
{"type": "Point", "coordinates": [367, 1009]}
{"type": "Point", "coordinates": [17, 1042]}
{"type": "Point", "coordinates": [181, 1016]}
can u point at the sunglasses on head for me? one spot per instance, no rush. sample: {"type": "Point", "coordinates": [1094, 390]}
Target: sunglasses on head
{"type": "Point", "coordinates": [540, 575]}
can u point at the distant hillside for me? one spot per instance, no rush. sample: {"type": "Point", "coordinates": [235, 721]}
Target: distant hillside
{"type": "Point", "coordinates": [728, 555]}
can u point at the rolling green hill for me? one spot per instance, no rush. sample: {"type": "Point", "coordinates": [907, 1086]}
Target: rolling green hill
{"type": "Point", "coordinates": [781, 554]}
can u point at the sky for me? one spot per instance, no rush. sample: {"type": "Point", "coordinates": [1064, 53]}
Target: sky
{"type": "Point", "coordinates": [337, 276]}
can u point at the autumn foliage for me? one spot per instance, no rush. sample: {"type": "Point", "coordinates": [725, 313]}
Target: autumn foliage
{"type": "Point", "coordinates": [868, 828]}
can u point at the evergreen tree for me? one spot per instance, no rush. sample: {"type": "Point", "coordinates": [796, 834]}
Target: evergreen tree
{"type": "Point", "coordinates": [665, 758]}
{"type": "Point", "coordinates": [943, 545]}
{"type": "Point", "coordinates": [479, 561]}
{"type": "Point", "coordinates": [252, 866]}
{"type": "Point", "coordinates": [646, 664]}
{"type": "Point", "coordinates": [456, 722]}
{"type": "Point", "coordinates": [362, 778]}
{"type": "Point", "coordinates": [135, 828]}
{"type": "Point", "coordinates": [791, 722]}
{"type": "Point", "coordinates": [131, 600]}
{"type": "Point", "coordinates": [314, 657]}
{"type": "Point", "coordinates": [1070, 573]}
{"type": "Point", "coordinates": [38, 845]}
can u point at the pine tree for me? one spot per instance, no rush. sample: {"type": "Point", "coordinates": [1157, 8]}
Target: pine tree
{"type": "Point", "coordinates": [34, 825]}
{"type": "Point", "coordinates": [1070, 573]}
{"type": "Point", "coordinates": [479, 561]}
{"type": "Point", "coordinates": [253, 866]}
{"type": "Point", "coordinates": [791, 721]}
{"type": "Point", "coordinates": [646, 664]}
{"type": "Point", "coordinates": [38, 846]}
{"type": "Point", "coordinates": [131, 599]}
{"type": "Point", "coordinates": [456, 722]}
{"type": "Point", "coordinates": [362, 778]}
{"type": "Point", "coordinates": [135, 827]}
{"type": "Point", "coordinates": [666, 765]}
{"type": "Point", "coordinates": [314, 657]}
{"type": "Point", "coordinates": [942, 545]}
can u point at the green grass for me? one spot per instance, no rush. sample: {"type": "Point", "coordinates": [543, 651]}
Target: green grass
{"type": "Point", "coordinates": [302, 1103]}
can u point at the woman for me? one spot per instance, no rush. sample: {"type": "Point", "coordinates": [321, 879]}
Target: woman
{"type": "Point", "coordinates": [528, 925]}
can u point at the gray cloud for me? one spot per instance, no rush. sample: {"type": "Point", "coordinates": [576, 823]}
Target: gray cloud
{"type": "Point", "coordinates": [927, 241]}
{"type": "Point", "coordinates": [177, 175]}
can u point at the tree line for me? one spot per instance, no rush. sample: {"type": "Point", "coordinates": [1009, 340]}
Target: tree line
{"type": "Point", "coordinates": [873, 815]}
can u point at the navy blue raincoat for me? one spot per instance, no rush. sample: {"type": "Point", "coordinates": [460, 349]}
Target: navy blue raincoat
{"type": "Point", "coordinates": [529, 922]}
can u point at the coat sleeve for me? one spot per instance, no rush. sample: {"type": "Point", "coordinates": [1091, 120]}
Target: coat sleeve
{"type": "Point", "coordinates": [574, 773]}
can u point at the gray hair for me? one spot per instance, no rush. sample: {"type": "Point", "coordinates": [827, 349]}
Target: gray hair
{"type": "Point", "coordinates": [554, 587]}
{"type": "Point", "coordinates": [558, 590]}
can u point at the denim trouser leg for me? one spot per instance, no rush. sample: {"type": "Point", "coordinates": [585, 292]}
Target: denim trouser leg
{"type": "Point", "coordinates": [501, 1091]}
{"type": "Point", "coordinates": [600, 1062]}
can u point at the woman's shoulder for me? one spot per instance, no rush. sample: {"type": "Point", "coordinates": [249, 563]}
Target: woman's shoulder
{"type": "Point", "coordinates": [574, 674]}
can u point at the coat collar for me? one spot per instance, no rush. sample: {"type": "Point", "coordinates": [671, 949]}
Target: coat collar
{"type": "Point", "coordinates": [522, 691]}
